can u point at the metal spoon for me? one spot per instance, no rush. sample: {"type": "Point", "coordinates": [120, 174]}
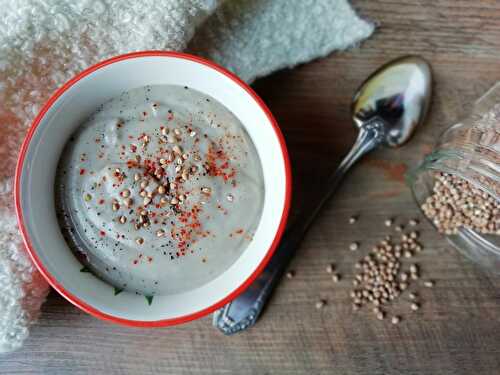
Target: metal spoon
{"type": "Point", "coordinates": [386, 109]}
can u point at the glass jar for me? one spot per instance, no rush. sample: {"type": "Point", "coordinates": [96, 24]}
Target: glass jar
{"type": "Point", "coordinates": [470, 151]}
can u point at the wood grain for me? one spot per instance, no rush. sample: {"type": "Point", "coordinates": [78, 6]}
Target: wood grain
{"type": "Point", "coordinates": [457, 331]}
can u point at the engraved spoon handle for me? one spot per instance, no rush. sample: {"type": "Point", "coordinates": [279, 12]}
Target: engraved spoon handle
{"type": "Point", "coordinates": [244, 311]}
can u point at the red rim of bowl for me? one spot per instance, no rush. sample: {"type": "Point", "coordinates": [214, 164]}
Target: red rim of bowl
{"type": "Point", "coordinates": [166, 322]}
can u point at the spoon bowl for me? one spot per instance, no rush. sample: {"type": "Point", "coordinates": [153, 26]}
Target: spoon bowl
{"type": "Point", "coordinates": [398, 95]}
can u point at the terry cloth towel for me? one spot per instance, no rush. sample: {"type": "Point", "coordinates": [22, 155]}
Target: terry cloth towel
{"type": "Point", "coordinates": [44, 43]}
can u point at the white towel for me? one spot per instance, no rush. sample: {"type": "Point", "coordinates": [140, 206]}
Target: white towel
{"type": "Point", "coordinates": [44, 43]}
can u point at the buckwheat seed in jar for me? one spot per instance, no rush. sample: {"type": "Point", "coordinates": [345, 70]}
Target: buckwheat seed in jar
{"type": "Point", "coordinates": [458, 185]}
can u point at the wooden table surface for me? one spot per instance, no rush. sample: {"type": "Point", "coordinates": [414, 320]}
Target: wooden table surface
{"type": "Point", "coordinates": [457, 330]}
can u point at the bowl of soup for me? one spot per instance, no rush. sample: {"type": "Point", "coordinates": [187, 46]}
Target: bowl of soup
{"type": "Point", "coordinates": [152, 188]}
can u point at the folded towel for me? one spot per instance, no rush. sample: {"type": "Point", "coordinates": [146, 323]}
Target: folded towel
{"type": "Point", "coordinates": [43, 44]}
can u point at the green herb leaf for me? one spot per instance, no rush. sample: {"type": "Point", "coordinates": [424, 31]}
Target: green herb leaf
{"type": "Point", "coordinates": [149, 299]}
{"type": "Point", "coordinates": [118, 290]}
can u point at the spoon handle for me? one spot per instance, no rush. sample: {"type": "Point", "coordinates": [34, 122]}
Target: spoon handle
{"type": "Point", "coordinates": [244, 310]}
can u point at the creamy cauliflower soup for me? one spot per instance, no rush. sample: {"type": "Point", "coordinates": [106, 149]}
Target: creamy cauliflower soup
{"type": "Point", "coordinates": [160, 190]}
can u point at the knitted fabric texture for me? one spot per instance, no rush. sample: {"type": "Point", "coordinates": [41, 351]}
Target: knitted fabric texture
{"type": "Point", "coordinates": [43, 44]}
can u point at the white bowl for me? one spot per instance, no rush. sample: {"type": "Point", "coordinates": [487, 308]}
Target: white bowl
{"type": "Point", "coordinates": [67, 109]}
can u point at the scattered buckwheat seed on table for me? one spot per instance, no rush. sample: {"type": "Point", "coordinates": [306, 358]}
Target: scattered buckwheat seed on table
{"type": "Point", "coordinates": [380, 278]}
{"type": "Point", "coordinates": [320, 304]}
{"type": "Point", "coordinates": [429, 283]}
